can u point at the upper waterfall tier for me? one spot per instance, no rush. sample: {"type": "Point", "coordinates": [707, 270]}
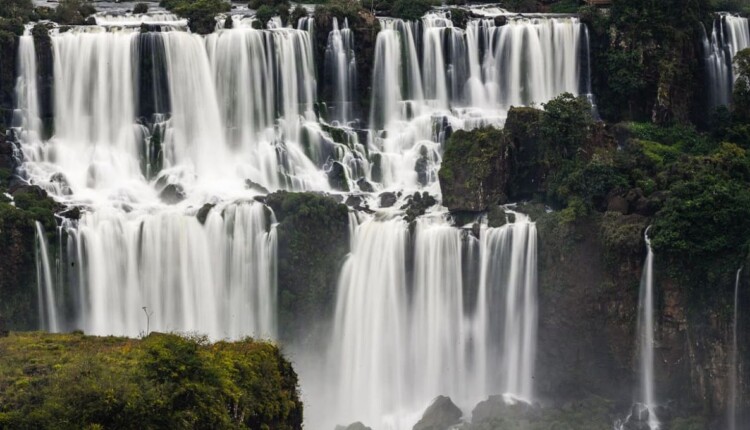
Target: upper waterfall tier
{"type": "Point", "coordinates": [134, 112]}
{"type": "Point", "coordinates": [729, 35]}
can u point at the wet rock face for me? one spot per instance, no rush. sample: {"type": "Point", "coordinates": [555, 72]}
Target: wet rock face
{"type": "Point", "coordinates": [441, 415]}
{"type": "Point", "coordinates": [475, 170]}
{"type": "Point", "coordinates": [312, 243]}
{"type": "Point", "coordinates": [354, 426]}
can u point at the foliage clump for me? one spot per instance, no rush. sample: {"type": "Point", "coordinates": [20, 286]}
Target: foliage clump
{"type": "Point", "coordinates": [162, 381]}
{"type": "Point", "coordinates": [73, 12]}
{"type": "Point", "coordinates": [201, 14]}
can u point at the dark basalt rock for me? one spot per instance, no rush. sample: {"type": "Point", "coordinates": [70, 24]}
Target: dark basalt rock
{"type": "Point", "coordinates": [172, 194]}
{"type": "Point", "coordinates": [442, 414]}
{"type": "Point", "coordinates": [249, 184]}
{"type": "Point", "coordinates": [203, 212]}
{"type": "Point", "coordinates": [422, 167]}
{"type": "Point", "coordinates": [337, 177]}
{"type": "Point", "coordinates": [387, 199]}
{"type": "Point", "coordinates": [417, 205]}
{"type": "Point", "coordinates": [73, 213]}
{"type": "Point", "coordinates": [354, 426]}
{"type": "Point", "coordinates": [617, 204]}
{"type": "Point", "coordinates": [365, 186]}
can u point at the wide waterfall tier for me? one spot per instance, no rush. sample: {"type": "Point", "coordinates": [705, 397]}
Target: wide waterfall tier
{"type": "Point", "coordinates": [123, 274]}
{"type": "Point", "coordinates": [729, 35]}
{"type": "Point", "coordinates": [446, 315]}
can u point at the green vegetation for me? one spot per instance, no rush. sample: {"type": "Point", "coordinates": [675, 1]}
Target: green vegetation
{"type": "Point", "coordinates": [201, 14]}
{"type": "Point", "coordinates": [475, 169]}
{"type": "Point", "coordinates": [312, 243]}
{"type": "Point", "coordinates": [162, 381]}
{"type": "Point", "coordinates": [73, 12]}
{"type": "Point", "coordinates": [140, 8]}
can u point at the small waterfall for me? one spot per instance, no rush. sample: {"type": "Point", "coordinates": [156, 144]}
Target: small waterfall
{"type": "Point", "coordinates": [729, 35]}
{"type": "Point", "coordinates": [401, 340]}
{"type": "Point", "coordinates": [341, 69]}
{"type": "Point", "coordinates": [734, 361]}
{"type": "Point", "coordinates": [26, 115]}
{"type": "Point", "coordinates": [646, 338]}
{"type": "Point", "coordinates": [46, 293]}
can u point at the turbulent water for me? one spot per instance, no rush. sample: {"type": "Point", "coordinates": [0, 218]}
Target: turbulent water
{"type": "Point", "coordinates": [729, 35]}
{"type": "Point", "coordinates": [152, 129]}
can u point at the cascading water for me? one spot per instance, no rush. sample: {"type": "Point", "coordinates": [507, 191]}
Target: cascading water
{"type": "Point", "coordinates": [154, 128]}
{"type": "Point", "coordinates": [341, 69]}
{"type": "Point", "coordinates": [395, 335]}
{"type": "Point", "coordinates": [734, 361]}
{"type": "Point", "coordinates": [729, 35]}
{"type": "Point", "coordinates": [46, 294]}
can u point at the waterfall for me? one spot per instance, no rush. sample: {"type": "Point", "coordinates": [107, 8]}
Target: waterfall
{"type": "Point", "coordinates": [218, 278]}
{"type": "Point", "coordinates": [46, 293]}
{"type": "Point", "coordinates": [646, 337]}
{"type": "Point", "coordinates": [391, 328]}
{"type": "Point", "coordinates": [26, 115]}
{"type": "Point", "coordinates": [734, 361]}
{"type": "Point", "coordinates": [164, 138]}
{"type": "Point", "coordinates": [729, 35]}
{"type": "Point", "coordinates": [341, 69]}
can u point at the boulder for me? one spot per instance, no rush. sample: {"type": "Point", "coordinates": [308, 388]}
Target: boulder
{"type": "Point", "coordinates": [251, 185]}
{"type": "Point", "coordinates": [354, 426]}
{"type": "Point", "coordinates": [203, 212]}
{"type": "Point", "coordinates": [172, 194]}
{"type": "Point", "coordinates": [365, 186]}
{"type": "Point", "coordinates": [337, 177]}
{"type": "Point", "coordinates": [442, 414]}
{"type": "Point", "coordinates": [387, 199]}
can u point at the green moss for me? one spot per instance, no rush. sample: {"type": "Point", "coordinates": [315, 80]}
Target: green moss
{"type": "Point", "coordinates": [201, 14]}
{"type": "Point", "coordinates": [163, 381]}
{"type": "Point", "coordinates": [474, 171]}
{"type": "Point", "coordinates": [312, 244]}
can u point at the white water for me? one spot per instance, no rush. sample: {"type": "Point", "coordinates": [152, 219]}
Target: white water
{"type": "Point", "coordinates": [646, 337]}
{"type": "Point", "coordinates": [399, 340]}
{"type": "Point", "coordinates": [46, 294]}
{"type": "Point", "coordinates": [341, 69]}
{"type": "Point", "coordinates": [729, 35]}
{"type": "Point", "coordinates": [734, 361]}
{"type": "Point", "coordinates": [237, 105]}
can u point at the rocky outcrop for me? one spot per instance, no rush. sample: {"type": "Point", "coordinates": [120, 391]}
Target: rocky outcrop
{"type": "Point", "coordinates": [313, 240]}
{"type": "Point", "coordinates": [475, 170]}
{"type": "Point", "coordinates": [442, 414]}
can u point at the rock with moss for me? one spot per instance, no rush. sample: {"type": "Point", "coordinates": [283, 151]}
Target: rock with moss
{"type": "Point", "coordinates": [475, 170]}
{"type": "Point", "coordinates": [312, 243]}
{"type": "Point", "coordinates": [45, 76]}
{"type": "Point", "coordinates": [160, 381]}
{"type": "Point", "coordinates": [442, 414]}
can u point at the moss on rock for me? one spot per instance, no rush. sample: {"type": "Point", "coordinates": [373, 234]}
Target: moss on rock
{"type": "Point", "coordinates": [312, 243]}
{"type": "Point", "coordinates": [475, 169]}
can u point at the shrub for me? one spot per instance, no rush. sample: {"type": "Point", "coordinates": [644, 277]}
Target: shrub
{"type": "Point", "coordinates": [410, 10]}
{"type": "Point", "coordinates": [201, 14]}
{"type": "Point", "coordinates": [162, 381]}
{"type": "Point", "coordinates": [566, 122]}
{"type": "Point", "coordinates": [73, 12]}
{"type": "Point", "coordinates": [264, 14]}
{"type": "Point", "coordinates": [16, 9]}
{"type": "Point", "coordinates": [141, 8]}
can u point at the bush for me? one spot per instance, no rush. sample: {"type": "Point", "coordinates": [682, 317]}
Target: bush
{"type": "Point", "coordinates": [162, 381]}
{"type": "Point", "coordinates": [264, 14]}
{"type": "Point", "coordinates": [566, 123]}
{"type": "Point", "coordinates": [16, 9]}
{"type": "Point", "coordinates": [73, 12]}
{"type": "Point", "coordinates": [141, 8]}
{"type": "Point", "coordinates": [201, 14]}
{"type": "Point", "coordinates": [410, 10]}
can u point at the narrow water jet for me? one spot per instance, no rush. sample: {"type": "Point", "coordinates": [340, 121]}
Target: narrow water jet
{"type": "Point", "coordinates": [734, 360]}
